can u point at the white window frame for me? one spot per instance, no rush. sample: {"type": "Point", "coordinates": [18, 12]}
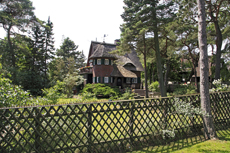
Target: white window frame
{"type": "Point", "coordinates": [106, 79]}
{"type": "Point", "coordinates": [134, 80]}
{"type": "Point", "coordinates": [98, 61]}
{"type": "Point", "coordinates": [106, 61]}
{"type": "Point", "coordinates": [93, 79]}
{"type": "Point", "coordinates": [97, 79]}
{"type": "Point", "coordinates": [128, 80]}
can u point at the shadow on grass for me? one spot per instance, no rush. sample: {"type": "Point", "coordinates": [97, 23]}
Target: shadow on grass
{"type": "Point", "coordinates": [173, 146]}
{"type": "Point", "coordinates": [223, 135]}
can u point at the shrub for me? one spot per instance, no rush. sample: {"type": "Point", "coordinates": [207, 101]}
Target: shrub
{"type": "Point", "coordinates": [184, 89]}
{"type": "Point", "coordinates": [52, 94]}
{"type": "Point", "coordinates": [154, 87]}
{"type": "Point", "coordinates": [102, 90]}
{"type": "Point", "coordinates": [127, 95]}
{"type": "Point", "coordinates": [219, 86]}
{"type": "Point", "coordinates": [12, 95]}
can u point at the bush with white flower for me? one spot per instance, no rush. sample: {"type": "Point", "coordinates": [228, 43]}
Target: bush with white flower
{"type": "Point", "coordinates": [219, 86]}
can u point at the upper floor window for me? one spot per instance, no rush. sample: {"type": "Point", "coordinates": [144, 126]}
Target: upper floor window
{"type": "Point", "coordinates": [106, 61]}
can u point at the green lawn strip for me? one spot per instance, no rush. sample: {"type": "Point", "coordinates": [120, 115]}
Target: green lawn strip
{"type": "Point", "coordinates": [195, 145]}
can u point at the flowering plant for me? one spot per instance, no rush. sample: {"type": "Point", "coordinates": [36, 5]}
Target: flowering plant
{"type": "Point", "coordinates": [219, 86]}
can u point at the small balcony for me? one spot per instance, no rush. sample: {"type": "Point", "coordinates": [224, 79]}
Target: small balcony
{"type": "Point", "coordinates": [86, 70]}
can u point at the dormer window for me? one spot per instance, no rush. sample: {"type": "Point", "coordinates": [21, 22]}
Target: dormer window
{"type": "Point", "coordinates": [106, 61]}
{"type": "Point", "coordinates": [98, 61]}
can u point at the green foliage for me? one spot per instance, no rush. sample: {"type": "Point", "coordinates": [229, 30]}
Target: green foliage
{"type": "Point", "coordinates": [12, 95]}
{"type": "Point", "coordinates": [102, 90]}
{"type": "Point", "coordinates": [154, 87]}
{"type": "Point", "coordinates": [127, 95]}
{"type": "Point", "coordinates": [70, 81]}
{"type": "Point", "coordinates": [219, 86]}
{"type": "Point", "coordinates": [52, 94]}
{"type": "Point", "coordinates": [187, 109]}
{"type": "Point", "coordinates": [184, 90]}
{"type": "Point", "coordinates": [68, 49]}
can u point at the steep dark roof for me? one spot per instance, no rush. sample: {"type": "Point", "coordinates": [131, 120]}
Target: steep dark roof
{"type": "Point", "coordinates": [99, 49]}
{"type": "Point", "coordinates": [103, 50]}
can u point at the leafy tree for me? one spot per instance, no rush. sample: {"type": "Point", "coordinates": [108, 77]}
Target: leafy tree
{"type": "Point", "coordinates": [18, 14]}
{"type": "Point", "coordinates": [217, 23]}
{"type": "Point", "coordinates": [209, 129]}
{"type": "Point", "coordinates": [11, 95]}
{"type": "Point", "coordinates": [217, 14]}
{"type": "Point", "coordinates": [53, 93]}
{"type": "Point", "coordinates": [72, 80]}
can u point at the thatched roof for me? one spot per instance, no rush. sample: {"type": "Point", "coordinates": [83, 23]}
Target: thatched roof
{"type": "Point", "coordinates": [131, 58]}
{"type": "Point", "coordinates": [124, 64]}
{"type": "Point", "coordinates": [103, 50]}
{"type": "Point", "coordinates": [120, 71]}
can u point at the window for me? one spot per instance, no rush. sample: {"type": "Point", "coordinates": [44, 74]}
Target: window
{"type": "Point", "coordinates": [98, 61]}
{"type": "Point", "coordinates": [93, 79]}
{"type": "Point", "coordinates": [128, 80]}
{"type": "Point", "coordinates": [106, 79]}
{"type": "Point", "coordinates": [98, 79]}
{"type": "Point", "coordinates": [111, 62]}
{"type": "Point", "coordinates": [134, 80]}
{"type": "Point", "coordinates": [111, 80]}
{"type": "Point", "coordinates": [106, 61]}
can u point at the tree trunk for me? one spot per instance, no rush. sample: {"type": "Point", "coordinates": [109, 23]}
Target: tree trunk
{"type": "Point", "coordinates": [196, 82]}
{"type": "Point", "coordinates": [146, 75]}
{"type": "Point", "coordinates": [153, 73]}
{"type": "Point", "coordinates": [218, 50]}
{"type": "Point", "coordinates": [158, 57]}
{"type": "Point", "coordinates": [167, 73]}
{"type": "Point", "coordinates": [13, 62]}
{"type": "Point", "coordinates": [204, 89]}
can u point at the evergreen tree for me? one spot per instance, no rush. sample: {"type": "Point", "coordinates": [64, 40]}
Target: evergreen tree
{"type": "Point", "coordinates": [48, 48]}
{"type": "Point", "coordinates": [68, 50]}
{"type": "Point", "coordinates": [147, 15]}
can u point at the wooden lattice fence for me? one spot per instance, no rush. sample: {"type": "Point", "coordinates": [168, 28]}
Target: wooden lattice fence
{"type": "Point", "coordinates": [117, 126]}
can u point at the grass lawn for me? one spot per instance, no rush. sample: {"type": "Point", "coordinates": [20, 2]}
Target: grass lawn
{"type": "Point", "coordinates": [193, 145]}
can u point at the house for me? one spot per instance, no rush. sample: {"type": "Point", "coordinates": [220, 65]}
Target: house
{"type": "Point", "coordinates": [104, 67]}
{"type": "Point", "coordinates": [187, 70]}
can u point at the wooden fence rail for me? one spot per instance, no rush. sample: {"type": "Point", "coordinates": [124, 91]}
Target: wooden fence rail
{"type": "Point", "coordinates": [117, 126]}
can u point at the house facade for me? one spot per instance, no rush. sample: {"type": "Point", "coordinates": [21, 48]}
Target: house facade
{"type": "Point", "coordinates": [104, 67]}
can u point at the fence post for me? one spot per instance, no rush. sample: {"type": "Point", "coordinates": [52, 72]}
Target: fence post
{"type": "Point", "coordinates": [89, 133]}
{"type": "Point", "coordinates": [131, 122]}
{"type": "Point", "coordinates": [37, 130]}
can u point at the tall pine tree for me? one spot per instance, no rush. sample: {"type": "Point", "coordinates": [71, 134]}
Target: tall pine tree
{"type": "Point", "coordinates": [149, 14]}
